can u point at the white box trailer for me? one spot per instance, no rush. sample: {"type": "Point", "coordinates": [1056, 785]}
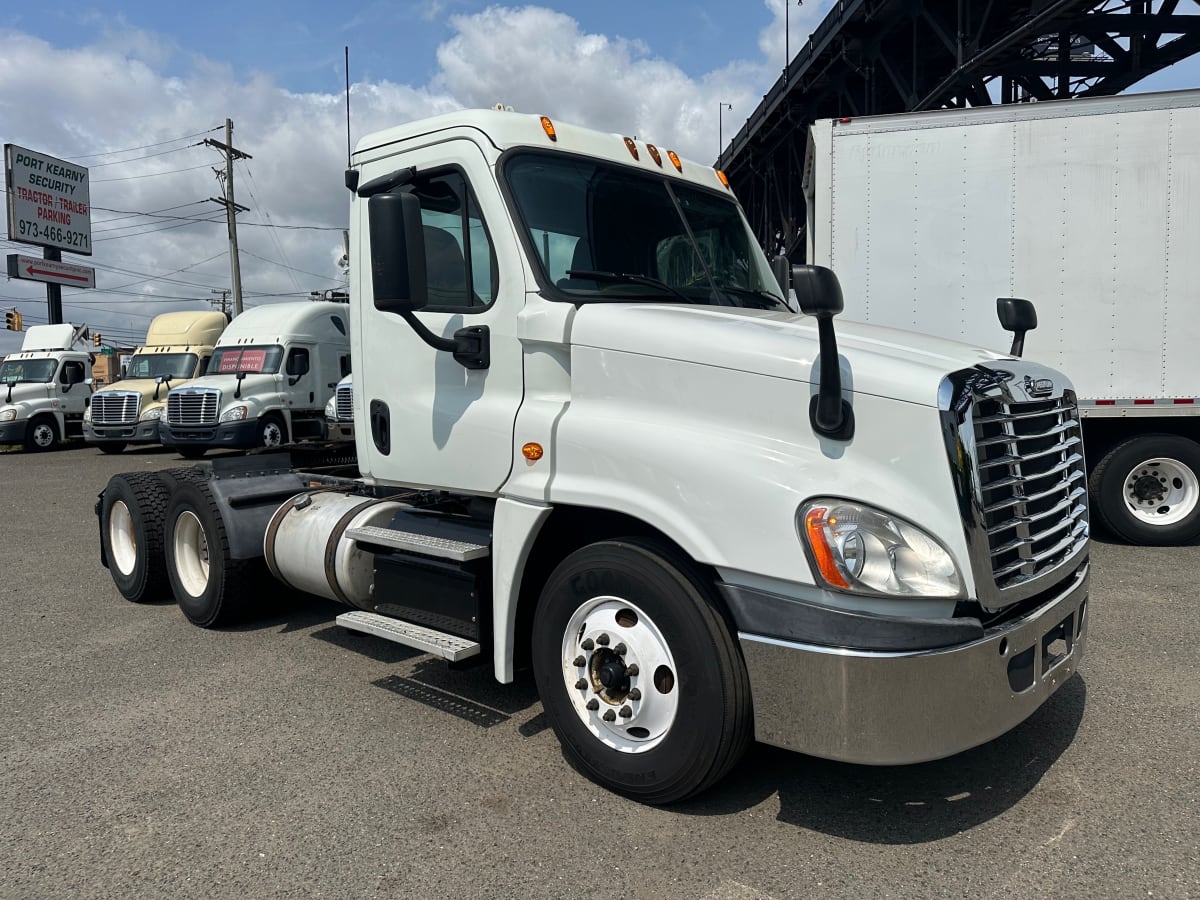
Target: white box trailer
{"type": "Point", "coordinates": [1090, 208]}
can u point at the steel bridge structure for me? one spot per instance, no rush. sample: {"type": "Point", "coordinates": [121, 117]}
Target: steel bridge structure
{"type": "Point", "coordinates": [885, 56]}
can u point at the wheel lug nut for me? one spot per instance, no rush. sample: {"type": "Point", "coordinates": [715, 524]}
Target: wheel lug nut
{"type": "Point", "coordinates": [588, 645]}
{"type": "Point", "coordinates": [580, 661]}
{"type": "Point", "coordinates": [602, 640]}
{"type": "Point", "coordinates": [581, 684]}
{"type": "Point", "coordinates": [593, 704]}
{"type": "Point", "coordinates": [620, 649]}
{"type": "Point", "coordinates": [632, 670]}
{"type": "Point", "coordinates": [610, 716]}
{"type": "Point", "coordinates": [626, 712]}
{"type": "Point", "coordinates": [635, 694]}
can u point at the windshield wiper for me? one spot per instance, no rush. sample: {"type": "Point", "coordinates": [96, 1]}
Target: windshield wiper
{"type": "Point", "coordinates": [775, 302]}
{"type": "Point", "coordinates": [617, 277]}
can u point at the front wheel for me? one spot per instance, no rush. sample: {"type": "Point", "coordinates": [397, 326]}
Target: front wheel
{"type": "Point", "coordinates": [210, 586]}
{"type": "Point", "coordinates": [111, 447]}
{"type": "Point", "coordinates": [42, 433]}
{"type": "Point", "coordinates": [272, 431]}
{"type": "Point", "coordinates": [191, 452]}
{"type": "Point", "coordinates": [639, 671]}
{"type": "Point", "coordinates": [1147, 490]}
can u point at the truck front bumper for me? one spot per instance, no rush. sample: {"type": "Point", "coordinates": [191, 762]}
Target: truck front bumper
{"type": "Point", "coordinates": [240, 435]}
{"type": "Point", "coordinates": [888, 707]}
{"type": "Point", "coordinates": [13, 432]}
{"type": "Point", "coordinates": [136, 433]}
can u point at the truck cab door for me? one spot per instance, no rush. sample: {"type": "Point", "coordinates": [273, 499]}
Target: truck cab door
{"type": "Point", "coordinates": [72, 392]}
{"type": "Point", "coordinates": [430, 421]}
{"type": "Point", "coordinates": [300, 378]}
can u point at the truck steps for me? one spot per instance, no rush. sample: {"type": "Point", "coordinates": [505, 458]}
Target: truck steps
{"type": "Point", "coordinates": [447, 646]}
{"type": "Point", "coordinates": [414, 542]}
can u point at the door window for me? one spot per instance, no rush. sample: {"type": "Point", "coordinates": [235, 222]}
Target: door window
{"type": "Point", "coordinates": [460, 263]}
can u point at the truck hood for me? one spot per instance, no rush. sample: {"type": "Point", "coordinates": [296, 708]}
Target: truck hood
{"type": "Point", "coordinates": [27, 391]}
{"type": "Point", "coordinates": [145, 387]}
{"type": "Point", "coordinates": [252, 385]}
{"type": "Point", "coordinates": [885, 362]}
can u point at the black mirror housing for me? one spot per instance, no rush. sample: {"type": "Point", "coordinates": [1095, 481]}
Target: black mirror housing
{"type": "Point", "coordinates": [1018, 316]}
{"type": "Point", "coordinates": [397, 253]}
{"type": "Point", "coordinates": [818, 291]}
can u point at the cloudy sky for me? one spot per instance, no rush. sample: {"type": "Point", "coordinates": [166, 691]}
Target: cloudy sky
{"type": "Point", "coordinates": [132, 89]}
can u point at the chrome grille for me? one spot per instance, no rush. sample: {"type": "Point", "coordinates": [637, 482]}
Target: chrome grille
{"type": "Point", "coordinates": [115, 407]}
{"type": "Point", "coordinates": [1032, 484]}
{"type": "Point", "coordinates": [193, 406]}
{"type": "Point", "coordinates": [1015, 449]}
{"type": "Point", "coordinates": [345, 403]}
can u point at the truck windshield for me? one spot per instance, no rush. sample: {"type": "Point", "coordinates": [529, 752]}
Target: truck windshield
{"type": "Point", "coordinates": [251, 360]}
{"type": "Point", "coordinates": [604, 232]}
{"type": "Point", "coordinates": [151, 365]}
{"type": "Point", "coordinates": [13, 370]}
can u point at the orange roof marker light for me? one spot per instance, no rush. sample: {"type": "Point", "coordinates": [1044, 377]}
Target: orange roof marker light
{"type": "Point", "coordinates": [548, 127]}
{"type": "Point", "coordinates": [632, 147]}
{"type": "Point", "coordinates": [653, 151]}
{"type": "Point", "coordinates": [674, 158]}
{"type": "Point", "coordinates": [532, 451]}
{"type": "Point", "coordinates": [723, 178]}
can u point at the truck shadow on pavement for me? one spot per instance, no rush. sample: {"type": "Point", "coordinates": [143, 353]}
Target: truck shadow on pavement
{"type": "Point", "coordinates": [903, 804]}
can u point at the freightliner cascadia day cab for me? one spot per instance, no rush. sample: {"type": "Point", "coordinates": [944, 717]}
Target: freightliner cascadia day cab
{"type": "Point", "coordinates": [177, 349]}
{"type": "Point", "coordinates": [595, 440]}
{"type": "Point", "coordinates": [272, 371]}
{"type": "Point", "coordinates": [44, 389]}
{"type": "Point", "coordinates": [1088, 206]}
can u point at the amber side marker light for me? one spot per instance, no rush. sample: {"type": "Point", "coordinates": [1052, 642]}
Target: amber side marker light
{"type": "Point", "coordinates": [532, 451]}
{"type": "Point", "coordinates": [632, 147]}
{"type": "Point", "coordinates": [653, 151]}
{"type": "Point", "coordinates": [723, 178]}
{"type": "Point", "coordinates": [814, 526]}
{"type": "Point", "coordinates": [548, 127]}
{"type": "Point", "coordinates": [674, 158]}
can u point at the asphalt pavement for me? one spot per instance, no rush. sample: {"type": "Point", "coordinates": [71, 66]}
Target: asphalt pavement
{"type": "Point", "coordinates": [141, 756]}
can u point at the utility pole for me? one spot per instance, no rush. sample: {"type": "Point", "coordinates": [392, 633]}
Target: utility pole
{"type": "Point", "coordinates": [223, 302]}
{"type": "Point", "coordinates": [231, 208]}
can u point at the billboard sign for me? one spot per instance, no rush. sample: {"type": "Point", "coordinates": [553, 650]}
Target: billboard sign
{"type": "Point", "coordinates": [33, 269]}
{"type": "Point", "coordinates": [48, 201]}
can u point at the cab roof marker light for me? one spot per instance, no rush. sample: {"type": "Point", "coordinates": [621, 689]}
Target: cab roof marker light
{"type": "Point", "coordinates": [548, 127]}
{"type": "Point", "coordinates": [723, 178]}
{"type": "Point", "coordinates": [674, 157]}
{"type": "Point", "coordinates": [654, 155]}
{"type": "Point", "coordinates": [632, 147]}
{"type": "Point", "coordinates": [814, 526]}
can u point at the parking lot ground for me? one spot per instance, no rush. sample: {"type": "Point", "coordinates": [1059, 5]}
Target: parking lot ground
{"type": "Point", "coordinates": [143, 757]}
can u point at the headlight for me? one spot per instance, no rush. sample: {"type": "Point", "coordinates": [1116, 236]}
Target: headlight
{"type": "Point", "coordinates": [234, 414]}
{"type": "Point", "coordinates": [331, 408]}
{"type": "Point", "coordinates": [151, 415]}
{"type": "Point", "coordinates": [862, 550]}
{"type": "Point", "coordinates": [7, 415]}
{"type": "Point", "coordinates": [87, 413]}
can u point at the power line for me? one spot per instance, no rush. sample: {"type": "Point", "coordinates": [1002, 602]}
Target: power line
{"type": "Point", "coordinates": [121, 162]}
{"type": "Point", "coordinates": [150, 174]}
{"type": "Point", "coordinates": [274, 235]}
{"type": "Point", "coordinates": [146, 146]}
{"type": "Point", "coordinates": [293, 269]}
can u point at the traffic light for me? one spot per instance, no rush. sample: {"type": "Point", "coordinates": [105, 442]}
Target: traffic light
{"type": "Point", "coordinates": [12, 320]}
{"type": "Point", "coordinates": [96, 338]}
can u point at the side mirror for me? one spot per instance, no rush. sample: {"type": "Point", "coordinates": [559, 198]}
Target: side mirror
{"type": "Point", "coordinates": [781, 266]}
{"type": "Point", "coordinates": [819, 294]}
{"type": "Point", "coordinates": [397, 253]}
{"type": "Point", "coordinates": [297, 365]}
{"type": "Point", "coordinates": [1018, 316]}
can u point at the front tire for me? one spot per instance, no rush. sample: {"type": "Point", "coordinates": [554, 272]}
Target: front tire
{"type": "Point", "coordinates": [210, 587]}
{"type": "Point", "coordinates": [42, 434]}
{"type": "Point", "coordinates": [1147, 490]}
{"type": "Point", "coordinates": [639, 671]}
{"type": "Point", "coordinates": [272, 431]}
{"type": "Point", "coordinates": [191, 452]}
{"type": "Point", "coordinates": [111, 447]}
{"type": "Point", "coordinates": [131, 535]}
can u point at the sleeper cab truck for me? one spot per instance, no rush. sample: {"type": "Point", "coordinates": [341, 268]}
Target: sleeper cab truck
{"type": "Point", "coordinates": [272, 372]}
{"type": "Point", "coordinates": [177, 349]}
{"type": "Point", "coordinates": [596, 440]}
{"type": "Point", "coordinates": [44, 388]}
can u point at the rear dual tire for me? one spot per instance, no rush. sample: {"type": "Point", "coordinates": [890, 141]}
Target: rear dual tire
{"type": "Point", "coordinates": [131, 535]}
{"type": "Point", "coordinates": [1146, 490]}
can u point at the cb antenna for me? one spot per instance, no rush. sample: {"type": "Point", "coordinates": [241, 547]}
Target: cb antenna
{"type": "Point", "coordinates": [347, 105]}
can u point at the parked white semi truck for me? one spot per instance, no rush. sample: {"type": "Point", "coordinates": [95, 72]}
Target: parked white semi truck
{"type": "Point", "coordinates": [594, 440]}
{"type": "Point", "coordinates": [272, 371]}
{"type": "Point", "coordinates": [44, 389]}
{"type": "Point", "coordinates": [177, 349]}
{"type": "Point", "coordinates": [339, 411]}
{"type": "Point", "coordinates": [1090, 207]}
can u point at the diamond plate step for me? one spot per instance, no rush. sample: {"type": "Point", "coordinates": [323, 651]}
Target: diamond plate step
{"type": "Point", "coordinates": [447, 646]}
{"type": "Point", "coordinates": [460, 551]}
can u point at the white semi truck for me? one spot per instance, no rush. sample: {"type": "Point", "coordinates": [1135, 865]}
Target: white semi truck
{"type": "Point", "coordinates": [177, 349]}
{"type": "Point", "coordinates": [594, 440]}
{"type": "Point", "coordinates": [44, 389]}
{"type": "Point", "coordinates": [272, 371]}
{"type": "Point", "coordinates": [1089, 207]}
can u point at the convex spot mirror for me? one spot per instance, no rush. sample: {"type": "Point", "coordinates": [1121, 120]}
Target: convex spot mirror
{"type": "Point", "coordinates": [397, 253]}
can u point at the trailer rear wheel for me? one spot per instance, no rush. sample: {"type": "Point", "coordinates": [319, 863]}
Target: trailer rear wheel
{"type": "Point", "coordinates": [1147, 490]}
{"type": "Point", "coordinates": [639, 672]}
{"type": "Point", "coordinates": [131, 535]}
{"type": "Point", "coordinates": [210, 587]}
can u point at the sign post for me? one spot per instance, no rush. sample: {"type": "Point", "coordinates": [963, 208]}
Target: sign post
{"type": "Point", "coordinates": [49, 205]}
